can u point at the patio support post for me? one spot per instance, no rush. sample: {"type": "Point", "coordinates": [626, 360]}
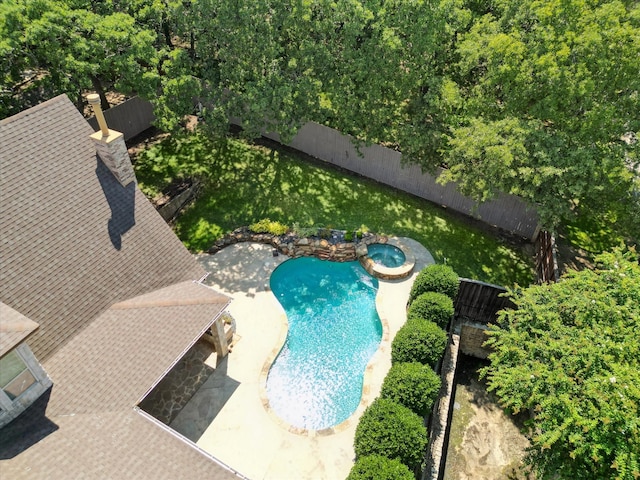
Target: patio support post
{"type": "Point", "coordinates": [219, 338]}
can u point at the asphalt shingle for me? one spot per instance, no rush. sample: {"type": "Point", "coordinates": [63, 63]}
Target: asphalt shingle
{"type": "Point", "coordinates": [114, 293]}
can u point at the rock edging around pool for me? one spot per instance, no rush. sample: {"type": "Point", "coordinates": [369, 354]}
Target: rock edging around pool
{"type": "Point", "coordinates": [332, 248]}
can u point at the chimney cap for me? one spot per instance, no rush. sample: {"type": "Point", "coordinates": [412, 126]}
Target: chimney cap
{"type": "Point", "coordinates": [93, 98]}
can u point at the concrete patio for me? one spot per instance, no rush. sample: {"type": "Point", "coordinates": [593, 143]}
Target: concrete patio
{"type": "Point", "coordinates": [229, 416]}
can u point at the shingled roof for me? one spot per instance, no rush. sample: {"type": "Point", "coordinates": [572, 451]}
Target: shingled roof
{"type": "Point", "coordinates": [117, 299]}
{"type": "Point", "coordinates": [14, 328]}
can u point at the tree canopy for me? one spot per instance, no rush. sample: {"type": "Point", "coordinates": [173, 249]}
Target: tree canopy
{"type": "Point", "coordinates": [50, 47]}
{"type": "Point", "coordinates": [538, 98]}
{"type": "Point", "coordinates": [569, 356]}
{"type": "Point", "coordinates": [548, 90]}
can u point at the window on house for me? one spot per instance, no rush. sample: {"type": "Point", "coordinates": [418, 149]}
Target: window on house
{"type": "Point", "coordinates": [15, 376]}
{"type": "Point", "coordinates": [22, 381]}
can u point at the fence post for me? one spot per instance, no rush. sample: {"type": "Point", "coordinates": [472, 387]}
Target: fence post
{"type": "Point", "coordinates": [547, 270]}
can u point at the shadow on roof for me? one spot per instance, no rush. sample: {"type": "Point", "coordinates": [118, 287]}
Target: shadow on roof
{"type": "Point", "coordinates": [121, 202]}
{"type": "Point", "coordinates": [30, 427]}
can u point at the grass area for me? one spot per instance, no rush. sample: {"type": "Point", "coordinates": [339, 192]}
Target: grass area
{"type": "Point", "coordinates": [592, 236]}
{"type": "Point", "coordinates": [246, 183]}
{"type": "Point", "coordinates": [584, 237]}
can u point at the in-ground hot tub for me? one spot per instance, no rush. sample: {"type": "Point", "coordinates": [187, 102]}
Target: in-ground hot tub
{"type": "Point", "coordinates": [389, 261]}
{"type": "Point", "coordinates": [386, 255]}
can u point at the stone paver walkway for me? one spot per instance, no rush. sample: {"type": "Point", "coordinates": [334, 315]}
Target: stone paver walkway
{"type": "Point", "coordinates": [229, 417]}
{"type": "Point", "coordinates": [175, 390]}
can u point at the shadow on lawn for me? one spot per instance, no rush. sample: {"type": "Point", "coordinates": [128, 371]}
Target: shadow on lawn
{"type": "Point", "coordinates": [248, 183]}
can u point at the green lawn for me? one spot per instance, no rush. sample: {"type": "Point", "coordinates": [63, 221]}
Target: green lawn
{"type": "Point", "coordinates": [592, 236]}
{"type": "Point", "coordinates": [245, 183]}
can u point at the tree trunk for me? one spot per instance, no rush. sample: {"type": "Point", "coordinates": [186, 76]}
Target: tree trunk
{"type": "Point", "coordinates": [166, 32]}
{"type": "Point", "coordinates": [80, 101]}
{"type": "Point", "coordinates": [97, 86]}
{"type": "Point", "coordinates": [192, 45]}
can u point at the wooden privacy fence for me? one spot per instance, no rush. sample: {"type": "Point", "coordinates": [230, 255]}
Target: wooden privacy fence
{"type": "Point", "coordinates": [131, 117]}
{"type": "Point", "coordinates": [385, 165]}
{"type": "Point", "coordinates": [479, 301]}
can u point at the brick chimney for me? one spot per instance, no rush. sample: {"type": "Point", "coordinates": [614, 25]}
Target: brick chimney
{"type": "Point", "coordinates": [110, 146]}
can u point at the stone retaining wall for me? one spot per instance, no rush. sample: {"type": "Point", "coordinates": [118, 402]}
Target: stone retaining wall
{"type": "Point", "coordinates": [169, 210]}
{"type": "Point", "coordinates": [472, 337]}
{"type": "Point", "coordinates": [333, 248]}
{"type": "Point", "coordinates": [437, 447]}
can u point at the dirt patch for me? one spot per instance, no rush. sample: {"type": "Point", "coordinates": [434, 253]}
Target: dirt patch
{"type": "Point", "coordinates": [484, 442]}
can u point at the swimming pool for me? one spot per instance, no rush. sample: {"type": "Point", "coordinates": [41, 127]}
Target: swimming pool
{"type": "Point", "coordinates": [316, 380]}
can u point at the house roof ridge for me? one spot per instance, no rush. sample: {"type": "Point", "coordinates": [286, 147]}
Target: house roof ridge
{"type": "Point", "coordinates": [35, 109]}
{"type": "Point", "coordinates": [15, 328]}
{"type": "Point", "coordinates": [208, 296]}
{"type": "Point", "coordinates": [177, 302]}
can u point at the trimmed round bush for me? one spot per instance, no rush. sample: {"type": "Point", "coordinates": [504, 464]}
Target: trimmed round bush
{"type": "Point", "coordinates": [413, 385]}
{"type": "Point", "coordinates": [377, 467]}
{"type": "Point", "coordinates": [392, 430]}
{"type": "Point", "coordinates": [435, 278]}
{"type": "Point", "coordinates": [433, 306]}
{"type": "Point", "coordinates": [418, 341]}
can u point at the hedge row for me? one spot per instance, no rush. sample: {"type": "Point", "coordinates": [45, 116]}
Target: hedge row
{"type": "Point", "coordinates": [392, 430]}
{"type": "Point", "coordinates": [379, 467]}
{"type": "Point", "coordinates": [419, 341]}
{"type": "Point", "coordinates": [391, 438]}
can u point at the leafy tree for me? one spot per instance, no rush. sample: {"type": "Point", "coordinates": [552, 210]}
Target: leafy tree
{"type": "Point", "coordinates": [276, 65]}
{"type": "Point", "coordinates": [538, 104]}
{"type": "Point", "coordinates": [538, 99]}
{"type": "Point", "coordinates": [253, 61]}
{"type": "Point", "coordinates": [392, 430]}
{"type": "Point", "coordinates": [49, 47]}
{"type": "Point", "coordinates": [569, 355]}
{"type": "Point", "coordinates": [530, 98]}
{"type": "Point", "coordinates": [379, 62]}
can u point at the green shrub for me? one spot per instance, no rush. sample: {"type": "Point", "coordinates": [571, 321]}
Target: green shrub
{"type": "Point", "coordinates": [419, 341]}
{"type": "Point", "coordinates": [324, 232]}
{"type": "Point", "coordinates": [377, 467]}
{"type": "Point", "coordinates": [413, 385]}
{"type": "Point", "coordinates": [435, 278]}
{"type": "Point", "coordinates": [392, 430]}
{"type": "Point", "coordinates": [348, 236]}
{"type": "Point", "coordinates": [267, 226]}
{"type": "Point", "coordinates": [304, 232]}
{"type": "Point", "coordinates": [433, 306]}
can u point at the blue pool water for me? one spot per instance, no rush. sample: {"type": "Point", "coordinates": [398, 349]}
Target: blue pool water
{"type": "Point", "coordinates": [387, 255]}
{"type": "Point", "coordinates": [334, 329]}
